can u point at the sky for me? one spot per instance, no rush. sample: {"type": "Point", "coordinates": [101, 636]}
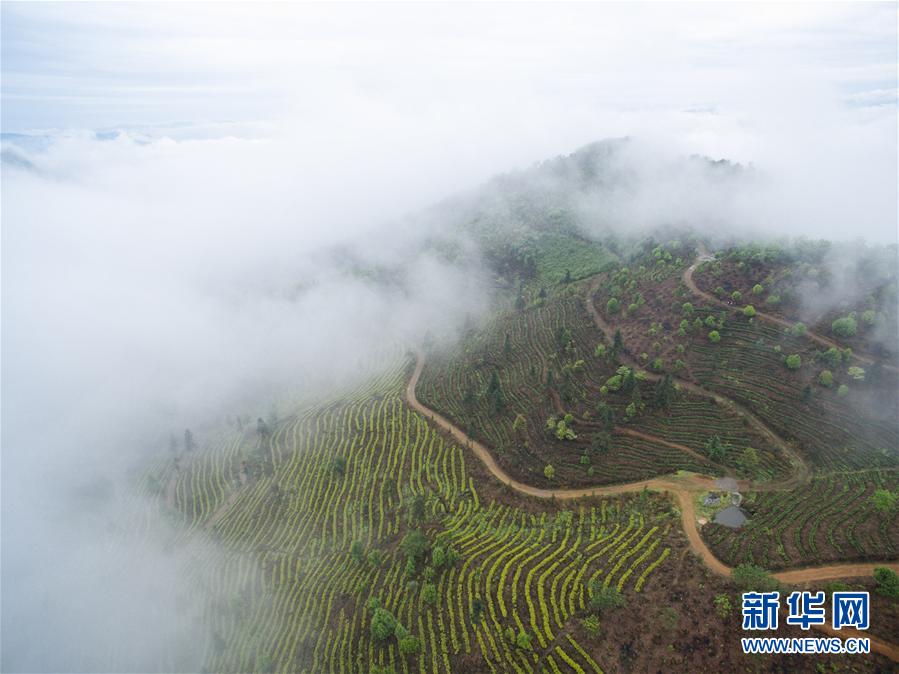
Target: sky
{"type": "Point", "coordinates": [458, 91]}
{"type": "Point", "coordinates": [176, 177]}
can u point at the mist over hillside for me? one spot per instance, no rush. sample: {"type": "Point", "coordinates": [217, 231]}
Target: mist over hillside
{"type": "Point", "coordinates": [219, 215]}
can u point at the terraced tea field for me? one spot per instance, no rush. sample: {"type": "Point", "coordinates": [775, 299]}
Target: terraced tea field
{"type": "Point", "coordinates": [316, 538]}
{"type": "Point", "coordinates": [832, 518]}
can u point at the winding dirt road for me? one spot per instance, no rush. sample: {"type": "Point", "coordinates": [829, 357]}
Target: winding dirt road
{"type": "Point", "coordinates": [705, 256]}
{"type": "Point", "coordinates": [681, 487]}
{"type": "Point", "coordinates": [684, 487]}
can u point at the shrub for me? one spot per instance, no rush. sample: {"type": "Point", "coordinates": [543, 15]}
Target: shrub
{"type": "Point", "coordinates": [591, 624]}
{"type": "Point", "coordinates": [722, 605]}
{"type": "Point", "coordinates": [826, 378]}
{"type": "Point", "coordinates": [793, 361]}
{"type": "Point", "coordinates": [844, 327]}
{"type": "Point", "coordinates": [887, 582]}
{"type": "Point", "coordinates": [752, 578]}
{"type": "Point", "coordinates": [714, 337]}
{"type": "Point", "coordinates": [523, 641]}
{"type": "Point", "coordinates": [409, 645]}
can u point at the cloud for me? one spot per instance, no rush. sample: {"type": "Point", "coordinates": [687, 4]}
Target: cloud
{"type": "Point", "coordinates": [197, 200]}
{"type": "Point", "coordinates": [156, 285]}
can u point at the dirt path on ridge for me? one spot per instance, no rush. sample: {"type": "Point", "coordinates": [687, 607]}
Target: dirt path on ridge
{"type": "Point", "coordinates": [682, 488]}
{"type": "Point", "coordinates": [705, 256]}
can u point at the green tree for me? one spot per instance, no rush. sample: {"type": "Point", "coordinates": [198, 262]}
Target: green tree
{"type": "Point", "coordinates": [885, 501]}
{"type": "Point", "coordinates": [687, 309]}
{"type": "Point", "coordinates": [843, 390]}
{"type": "Point", "coordinates": [383, 624]}
{"type": "Point", "coordinates": [613, 306]}
{"type": "Point", "coordinates": [338, 465]}
{"type": "Point", "coordinates": [749, 460]}
{"type": "Point", "coordinates": [438, 556]}
{"type": "Point", "coordinates": [714, 337]}
{"type": "Point", "coordinates": [714, 448]}
{"type": "Point", "coordinates": [749, 311]}
{"type": "Point", "coordinates": [798, 330]}
{"type": "Point", "coordinates": [887, 582]}
{"type": "Point", "coordinates": [832, 357]}
{"type": "Point", "coordinates": [736, 296]}
{"type": "Point", "coordinates": [549, 472]}
{"type": "Point", "coordinates": [607, 415]}
{"type": "Point", "coordinates": [758, 289]}
{"type": "Point", "coordinates": [414, 545]}
{"type": "Point", "coordinates": [416, 509]}
{"type": "Point", "coordinates": [793, 361]}
{"type": "Point", "coordinates": [357, 551]}
{"type": "Point", "coordinates": [429, 593]}
{"type": "Point", "coordinates": [603, 598]}
{"type": "Point", "coordinates": [844, 327]}
{"type": "Point", "coordinates": [826, 378]}
{"type": "Point", "coordinates": [856, 373]}
{"type": "Point", "coordinates": [663, 393]}
{"type": "Point", "coordinates": [495, 393]}
{"type": "Point", "coordinates": [617, 344]}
